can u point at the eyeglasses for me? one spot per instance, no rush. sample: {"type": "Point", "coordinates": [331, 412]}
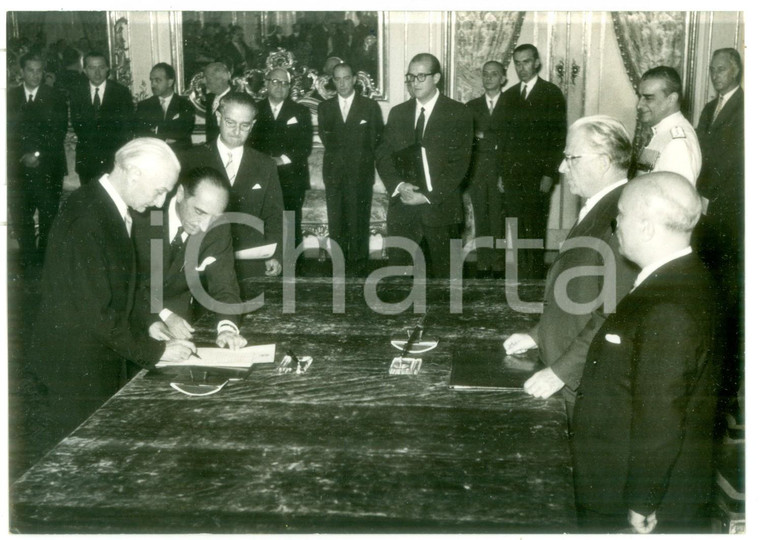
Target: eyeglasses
{"type": "Point", "coordinates": [570, 158]}
{"type": "Point", "coordinates": [277, 82]}
{"type": "Point", "coordinates": [420, 77]}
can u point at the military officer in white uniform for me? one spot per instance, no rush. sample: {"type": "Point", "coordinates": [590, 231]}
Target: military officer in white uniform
{"type": "Point", "coordinates": [674, 145]}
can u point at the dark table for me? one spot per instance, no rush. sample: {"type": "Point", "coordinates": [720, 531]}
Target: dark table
{"type": "Point", "coordinates": [345, 447]}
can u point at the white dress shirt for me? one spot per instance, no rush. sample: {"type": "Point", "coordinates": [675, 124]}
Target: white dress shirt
{"type": "Point", "coordinates": [237, 157]}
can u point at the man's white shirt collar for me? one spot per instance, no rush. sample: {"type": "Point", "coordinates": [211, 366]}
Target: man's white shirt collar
{"type": "Point", "coordinates": [428, 107]}
{"type": "Point", "coordinates": [174, 221]}
{"type": "Point", "coordinates": [276, 107]}
{"type": "Point", "coordinates": [528, 85]}
{"type": "Point", "coordinates": [27, 92]}
{"type": "Point", "coordinates": [598, 196]}
{"type": "Point", "coordinates": [347, 101]}
{"type": "Point", "coordinates": [649, 269]}
{"type": "Point", "coordinates": [121, 206]}
{"type": "Point", "coordinates": [101, 86]}
{"type": "Point", "coordinates": [728, 95]}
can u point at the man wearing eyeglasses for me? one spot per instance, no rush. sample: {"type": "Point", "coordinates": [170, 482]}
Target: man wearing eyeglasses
{"type": "Point", "coordinates": [283, 131]}
{"type": "Point", "coordinates": [254, 189]}
{"type": "Point", "coordinates": [596, 161]}
{"type": "Point", "coordinates": [350, 127]}
{"type": "Point", "coordinates": [536, 128]}
{"type": "Point", "coordinates": [436, 131]}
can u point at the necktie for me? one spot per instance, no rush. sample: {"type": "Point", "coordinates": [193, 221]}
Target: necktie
{"type": "Point", "coordinates": [490, 106]}
{"type": "Point", "coordinates": [276, 111]}
{"type": "Point", "coordinates": [718, 107]}
{"type": "Point", "coordinates": [176, 245]}
{"type": "Point", "coordinates": [31, 98]}
{"type": "Point", "coordinates": [128, 223]}
{"type": "Point", "coordinates": [524, 93]}
{"type": "Point", "coordinates": [164, 105]}
{"type": "Point", "coordinates": [96, 100]}
{"type": "Point", "coordinates": [419, 129]}
{"type": "Point", "coordinates": [215, 105]}
{"type": "Point", "coordinates": [344, 109]}
{"type": "Point", "coordinates": [229, 166]}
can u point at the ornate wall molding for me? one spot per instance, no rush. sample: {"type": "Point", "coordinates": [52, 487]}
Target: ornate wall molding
{"type": "Point", "coordinates": [118, 43]}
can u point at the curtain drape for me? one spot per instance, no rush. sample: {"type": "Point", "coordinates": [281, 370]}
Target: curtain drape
{"type": "Point", "coordinates": [480, 36]}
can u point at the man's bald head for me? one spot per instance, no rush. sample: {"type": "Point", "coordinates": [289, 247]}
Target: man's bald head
{"type": "Point", "coordinates": [667, 198]}
{"type": "Point", "coordinates": [656, 214]}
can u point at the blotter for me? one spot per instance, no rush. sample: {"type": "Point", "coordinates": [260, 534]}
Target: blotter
{"type": "Point", "coordinates": [215, 357]}
{"type": "Point", "coordinates": [486, 367]}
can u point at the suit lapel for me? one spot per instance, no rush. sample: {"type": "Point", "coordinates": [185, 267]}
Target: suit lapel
{"type": "Point", "coordinates": [728, 110]}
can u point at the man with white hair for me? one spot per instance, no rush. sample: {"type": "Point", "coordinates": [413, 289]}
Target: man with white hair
{"type": "Point", "coordinates": [645, 411]}
{"type": "Point", "coordinates": [596, 158]}
{"type": "Point", "coordinates": [82, 339]}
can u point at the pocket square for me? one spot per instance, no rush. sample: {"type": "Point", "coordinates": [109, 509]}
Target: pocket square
{"type": "Point", "coordinates": [362, 122]}
{"type": "Point", "coordinates": [257, 186]}
{"type": "Point", "coordinates": [208, 261]}
{"type": "Point", "coordinates": [612, 338]}
{"type": "Point", "coordinates": [293, 120]}
{"type": "Point", "coordinates": [175, 117]}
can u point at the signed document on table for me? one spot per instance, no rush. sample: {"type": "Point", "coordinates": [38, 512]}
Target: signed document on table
{"type": "Point", "coordinates": [226, 358]}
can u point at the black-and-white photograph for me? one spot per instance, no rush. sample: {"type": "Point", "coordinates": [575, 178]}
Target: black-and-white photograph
{"type": "Point", "coordinates": [375, 271]}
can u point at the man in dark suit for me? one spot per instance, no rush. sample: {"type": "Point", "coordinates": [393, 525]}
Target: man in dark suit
{"type": "Point", "coordinates": [720, 234]}
{"type": "Point", "coordinates": [82, 341]}
{"type": "Point", "coordinates": [218, 78]}
{"type": "Point", "coordinates": [102, 114]}
{"type": "Point", "coordinates": [644, 420]}
{"type": "Point", "coordinates": [199, 202]}
{"type": "Point", "coordinates": [283, 131]}
{"type": "Point", "coordinates": [596, 162]}
{"type": "Point", "coordinates": [166, 115]}
{"type": "Point", "coordinates": [536, 127]}
{"type": "Point", "coordinates": [254, 190]}
{"type": "Point", "coordinates": [236, 53]}
{"type": "Point", "coordinates": [350, 127]}
{"type": "Point", "coordinates": [37, 123]}
{"type": "Point", "coordinates": [432, 206]}
{"type": "Point", "coordinates": [484, 178]}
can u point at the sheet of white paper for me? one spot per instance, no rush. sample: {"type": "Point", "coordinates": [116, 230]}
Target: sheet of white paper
{"type": "Point", "coordinates": [260, 252]}
{"type": "Point", "coordinates": [225, 358]}
{"type": "Point", "coordinates": [427, 170]}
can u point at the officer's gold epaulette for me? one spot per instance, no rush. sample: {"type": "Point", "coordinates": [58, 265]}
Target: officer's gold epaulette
{"type": "Point", "coordinates": [677, 133]}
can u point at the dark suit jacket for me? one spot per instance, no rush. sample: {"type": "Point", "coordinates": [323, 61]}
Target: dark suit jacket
{"type": "Point", "coordinates": [212, 126]}
{"type": "Point", "coordinates": [218, 277]}
{"type": "Point", "coordinates": [37, 127]}
{"type": "Point", "coordinates": [722, 143]}
{"type": "Point", "coordinates": [535, 135]}
{"type": "Point", "coordinates": [350, 145]}
{"type": "Point", "coordinates": [101, 133]}
{"type": "Point", "coordinates": [448, 144]}
{"type": "Point", "coordinates": [82, 334]}
{"type": "Point", "coordinates": [645, 410]}
{"type": "Point", "coordinates": [290, 134]}
{"type": "Point", "coordinates": [563, 338]}
{"type": "Point", "coordinates": [264, 201]}
{"type": "Point", "coordinates": [487, 151]}
{"type": "Point", "coordinates": [178, 124]}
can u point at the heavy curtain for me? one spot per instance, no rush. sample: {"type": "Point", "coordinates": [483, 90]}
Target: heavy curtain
{"type": "Point", "coordinates": [480, 36]}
